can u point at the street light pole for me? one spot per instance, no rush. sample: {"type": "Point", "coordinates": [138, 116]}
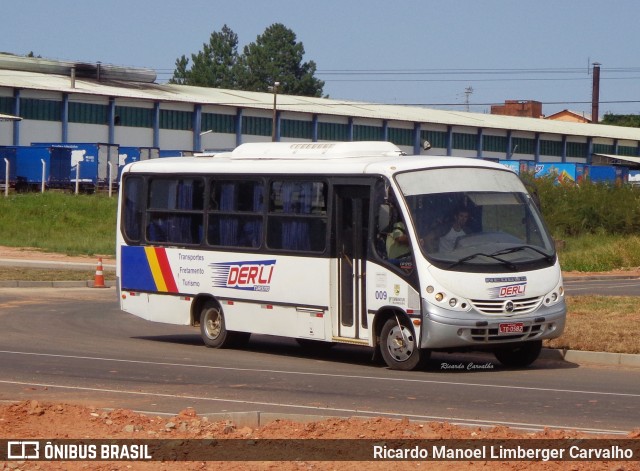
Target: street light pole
{"type": "Point", "coordinates": [274, 119]}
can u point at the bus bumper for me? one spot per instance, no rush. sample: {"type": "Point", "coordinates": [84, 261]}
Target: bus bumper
{"type": "Point", "coordinates": [446, 329]}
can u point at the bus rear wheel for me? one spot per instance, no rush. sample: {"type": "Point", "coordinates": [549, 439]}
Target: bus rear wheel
{"type": "Point", "coordinates": [212, 327]}
{"type": "Point", "coordinates": [399, 347]}
{"type": "Point", "coordinates": [519, 356]}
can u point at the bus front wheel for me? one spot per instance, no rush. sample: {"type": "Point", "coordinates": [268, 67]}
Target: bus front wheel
{"type": "Point", "coordinates": [399, 347]}
{"type": "Point", "coordinates": [212, 327]}
{"type": "Point", "coordinates": [521, 355]}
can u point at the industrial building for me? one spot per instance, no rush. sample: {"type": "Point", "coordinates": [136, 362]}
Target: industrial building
{"type": "Point", "coordinates": [71, 102]}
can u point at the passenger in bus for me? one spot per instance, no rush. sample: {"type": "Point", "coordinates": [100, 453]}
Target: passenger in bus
{"type": "Point", "coordinates": [398, 242]}
{"type": "Point", "coordinates": [447, 242]}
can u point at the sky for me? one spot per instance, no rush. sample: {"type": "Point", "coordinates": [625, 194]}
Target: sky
{"type": "Point", "coordinates": [447, 54]}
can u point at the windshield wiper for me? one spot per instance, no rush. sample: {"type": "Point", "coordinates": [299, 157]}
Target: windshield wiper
{"type": "Point", "coordinates": [507, 263]}
{"type": "Point", "coordinates": [548, 258]}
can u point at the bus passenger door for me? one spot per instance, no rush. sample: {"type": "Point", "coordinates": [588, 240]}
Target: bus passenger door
{"type": "Point", "coordinates": [351, 229]}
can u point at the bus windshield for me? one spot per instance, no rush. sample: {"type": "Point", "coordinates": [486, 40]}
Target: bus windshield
{"type": "Point", "coordinates": [471, 219]}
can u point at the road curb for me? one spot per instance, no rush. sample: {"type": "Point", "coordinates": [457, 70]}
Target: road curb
{"type": "Point", "coordinates": [599, 358]}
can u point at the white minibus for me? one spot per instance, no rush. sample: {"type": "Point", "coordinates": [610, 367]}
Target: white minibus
{"type": "Point", "coordinates": [331, 243]}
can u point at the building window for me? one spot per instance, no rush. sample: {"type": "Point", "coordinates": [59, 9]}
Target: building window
{"type": "Point", "coordinates": [43, 110]}
{"type": "Point", "coordinates": [494, 143]}
{"type": "Point", "coordinates": [220, 123]}
{"type": "Point", "coordinates": [553, 148]}
{"type": "Point", "coordinates": [256, 126]}
{"type": "Point", "coordinates": [576, 149]}
{"type": "Point", "coordinates": [463, 141]}
{"type": "Point", "coordinates": [436, 138]}
{"type": "Point", "coordinates": [134, 117]}
{"type": "Point", "coordinates": [604, 149]}
{"type": "Point", "coordinates": [88, 113]}
{"type": "Point", "coordinates": [177, 120]}
{"type": "Point", "coordinates": [7, 104]}
{"type": "Point", "coordinates": [333, 131]}
{"type": "Point", "coordinates": [628, 151]}
{"type": "Point", "coordinates": [367, 133]}
{"type": "Point", "coordinates": [401, 137]}
{"type": "Point", "coordinates": [296, 128]}
{"type": "Point", "coordinates": [523, 145]}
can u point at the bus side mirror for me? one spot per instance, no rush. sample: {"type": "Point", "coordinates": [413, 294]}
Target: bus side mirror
{"type": "Point", "coordinates": [384, 217]}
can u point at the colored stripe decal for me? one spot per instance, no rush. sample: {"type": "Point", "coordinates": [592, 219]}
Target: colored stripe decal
{"type": "Point", "coordinates": [167, 274]}
{"type": "Point", "coordinates": [156, 272]}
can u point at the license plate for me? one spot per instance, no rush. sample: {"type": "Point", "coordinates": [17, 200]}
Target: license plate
{"type": "Point", "coordinates": [511, 328]}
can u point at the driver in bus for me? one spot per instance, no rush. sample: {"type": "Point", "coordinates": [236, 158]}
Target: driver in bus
{"type": "Point", "coordinates": [447, 242]}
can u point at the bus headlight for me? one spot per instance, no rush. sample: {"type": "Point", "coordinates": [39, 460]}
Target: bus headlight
{"type": "Point", "coordinates": [453, 302]}
{"type": "Point", "coordinates": [439, 296]}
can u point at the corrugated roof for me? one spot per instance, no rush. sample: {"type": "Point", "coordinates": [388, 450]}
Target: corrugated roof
{"type": "Point", "coordinates": [320, 106]}
{"type": "Point", "coordinates": [617, 158]}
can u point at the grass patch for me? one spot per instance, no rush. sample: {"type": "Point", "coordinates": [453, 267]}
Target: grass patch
{"type": "Point", "coordinates": [600, 252]}
{"type": "Point", "coordinates": [59, 222]}
{"type": "Point", "coordinates": [601, 324]}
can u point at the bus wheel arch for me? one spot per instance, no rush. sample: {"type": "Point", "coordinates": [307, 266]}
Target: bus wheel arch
{"type": "Point", "coordinates": [397, 341]}
{"type": "Point", "coordinates": [207, 312]}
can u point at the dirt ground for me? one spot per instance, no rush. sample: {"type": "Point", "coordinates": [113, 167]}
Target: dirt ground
{"type": "Point", "coordinates": [33, 419]}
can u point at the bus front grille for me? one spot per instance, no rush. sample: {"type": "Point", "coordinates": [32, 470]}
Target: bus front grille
{"type": "Point", "coordinates": [510, 307]}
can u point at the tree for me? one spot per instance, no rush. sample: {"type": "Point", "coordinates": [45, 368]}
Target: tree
{"type": "Point", "coordinates": [214, 66]}
{"type": "Point", "coordinates": [629, 120]}
{"type": "Point", "coordinates": [275, 56]}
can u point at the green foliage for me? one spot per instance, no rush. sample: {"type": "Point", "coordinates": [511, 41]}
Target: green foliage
{"type": "Point", "coordinates": [573, 210]}
{"type": "Point", "coordinates": [215, 66]}
{"type": "Point", "coordinates": [629, 120]}
{"type": "Point", "coordinates": [59, 222]}
{"type": "Point", "coordinates": [275, 56]}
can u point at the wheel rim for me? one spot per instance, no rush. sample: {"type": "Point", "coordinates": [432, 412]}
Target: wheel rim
{"type": "Point", "coordinates": [212, 323]}
{"type": "Point", "coordinates": [400, 343]}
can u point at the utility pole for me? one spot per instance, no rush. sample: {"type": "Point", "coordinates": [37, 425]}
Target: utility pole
{"type": "Point", "coordinates": [595, 94]}
{"type": "Point", "coordinates": [467, 91]}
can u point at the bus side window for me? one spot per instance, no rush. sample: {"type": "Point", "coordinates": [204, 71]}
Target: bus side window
{"type": "Point", "coordinates": [297, 216]}
{"type": "Point", "coordinates": [175, 210]}
{"type": "Point", "coordinates": [133, 207]}
{"type": "Point", "coordinates": [235, 213]}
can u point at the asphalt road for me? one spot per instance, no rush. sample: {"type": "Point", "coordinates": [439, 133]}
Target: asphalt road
{"type": "Point", "coordinates": [75, 345]}
{"type": "Point", "coordinates": [602, 286]}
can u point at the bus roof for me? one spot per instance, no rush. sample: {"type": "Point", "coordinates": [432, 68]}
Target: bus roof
{"type": "Point", "coordinates": [307, 158]}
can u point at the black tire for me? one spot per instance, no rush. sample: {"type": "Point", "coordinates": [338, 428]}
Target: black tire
{"type": "Point", "coordinates": [521, 355]}
{"type": "Point", "coordinates": [399, 348]}
{"type": "Point", "coordinates": [212, 327]}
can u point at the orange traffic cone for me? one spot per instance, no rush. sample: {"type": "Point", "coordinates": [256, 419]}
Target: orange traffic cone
{"type": "Point", "coordinates": [98, 281]}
